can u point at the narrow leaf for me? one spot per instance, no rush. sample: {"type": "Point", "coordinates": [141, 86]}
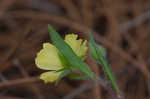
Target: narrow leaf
{"type": "Point", "coordinates": [63, 60]}
{"type": "Point", "coordinates": [67, 52]}
{"type": "Point", "coordinates": [98, 55]}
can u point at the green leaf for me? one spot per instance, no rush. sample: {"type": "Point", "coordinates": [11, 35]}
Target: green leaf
{"type": "Point", "coordinates": [63, 60]}
{"type": "Point", "coordinates": [75, 62]}
{"type": "Point", "coordinates": [98, 54]}
{"type": "Point", "coordinates": [61, 69]}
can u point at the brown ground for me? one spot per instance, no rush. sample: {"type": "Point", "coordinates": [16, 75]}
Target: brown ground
{"type": "Point", "coordinates": [122, 26]}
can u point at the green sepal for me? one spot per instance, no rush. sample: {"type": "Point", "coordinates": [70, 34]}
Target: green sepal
{"type": "Point", "coordinates": [82, 57]}
{"type": "Point", "coordinates": [61, 69]}
{"type": "Point", "coordinates": [95, 49]}
{"type": "Point", "coordinates": [77, 77]}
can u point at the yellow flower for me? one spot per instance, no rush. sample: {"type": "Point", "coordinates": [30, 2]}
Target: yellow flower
{"type": "Point", "coordinates": [78, 46]}
{"type": "Point", "coordinates": [48, 59]}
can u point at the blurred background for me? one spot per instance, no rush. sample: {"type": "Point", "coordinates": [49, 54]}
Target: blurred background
{"type": "Point", "coordinates": [121, 26]}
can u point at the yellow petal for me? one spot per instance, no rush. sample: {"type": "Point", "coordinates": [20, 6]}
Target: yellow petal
{"type": "Point", "coordinates": [83, 49]}
{"type": "Point", "coordinates": [48, 58]}
{"type": "Point", "coordinates": [50, 76]}
{"type": "Point", "coordinates": [78, 46]}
